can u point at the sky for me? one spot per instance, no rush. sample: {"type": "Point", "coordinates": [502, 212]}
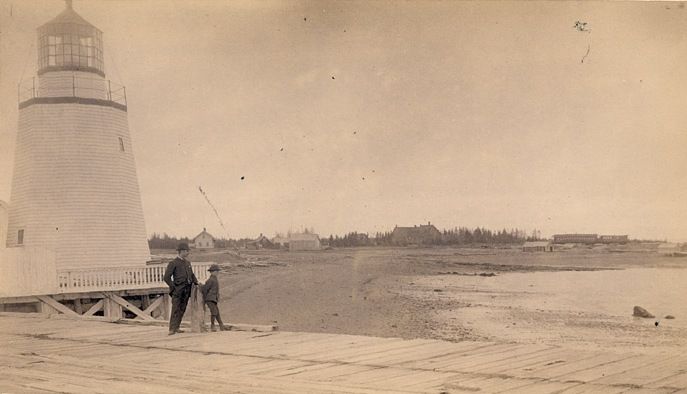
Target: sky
{"type": "Point", "coordinates": [360, 116]}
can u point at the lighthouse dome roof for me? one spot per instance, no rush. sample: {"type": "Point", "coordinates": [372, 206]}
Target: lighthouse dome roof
{"type": "Point", "coordinates": [68, 16]}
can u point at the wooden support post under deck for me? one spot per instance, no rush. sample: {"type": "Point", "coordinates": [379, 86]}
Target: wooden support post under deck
{"type": "Point", "coordinates": [45, 309]}
{"type": "Point", "coordinates": [145, 301]}
{"type": "Point", "coordinates": [112, 309]}
{"type": "Point", "coordinates": [78, 308]}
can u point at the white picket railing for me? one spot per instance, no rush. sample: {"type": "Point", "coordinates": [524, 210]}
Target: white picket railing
{"type": "Point", "coordinates": [120, 278]}
{"type": "Point", "coordinates": [28, 271]}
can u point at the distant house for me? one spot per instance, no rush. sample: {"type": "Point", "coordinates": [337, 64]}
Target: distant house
{"type": "Point", "coordinates": [261, 242]}
{"type": "Point", "coordinates": [204, 240]}
{"type": "Point", "coordinates": [416, 235]}
{"type": "Point", "coordinates": [613, 239]}
{"type": "Point", "coordinates": [304, 242]}
{"type": "Point", "coordinates": [537, 246]}
{"type": "Point", "coordinates": [575, 238]}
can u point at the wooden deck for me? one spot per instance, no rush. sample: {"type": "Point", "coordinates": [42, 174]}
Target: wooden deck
{"type": "Point", "coordinates": [39, 354]}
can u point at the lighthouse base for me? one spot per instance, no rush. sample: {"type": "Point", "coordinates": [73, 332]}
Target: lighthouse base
{"type": "Point", "coordinates": [139, 304]}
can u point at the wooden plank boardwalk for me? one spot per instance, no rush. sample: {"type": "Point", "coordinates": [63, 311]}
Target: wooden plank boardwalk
{"type": "Point", "coordinates": [40, 354]}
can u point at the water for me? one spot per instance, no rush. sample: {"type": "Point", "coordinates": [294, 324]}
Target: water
{"type": "Point", "coordinates": [662, 291]}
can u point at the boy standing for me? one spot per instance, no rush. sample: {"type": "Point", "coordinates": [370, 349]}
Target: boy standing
{"type": "Point", "coordinates": [211, 297]}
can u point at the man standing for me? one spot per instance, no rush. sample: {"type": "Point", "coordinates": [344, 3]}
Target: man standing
{"type": "Point", "coordinates": [179, 277]}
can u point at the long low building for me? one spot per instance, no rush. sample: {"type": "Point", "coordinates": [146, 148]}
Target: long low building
{"type": "Point", "coordinates": [672, 249]}
{"type": "Point", "coordinates": [575, 238]}
{"type": "Point", "coordinates": [613, 239]}
{"type": "Point", "coordinates": [537, 246]}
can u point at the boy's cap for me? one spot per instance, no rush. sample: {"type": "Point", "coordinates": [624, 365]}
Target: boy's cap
{"type": "Point", "coordinates": [213, 267]}
{"type": "Point", "coordinates": [183, 246]}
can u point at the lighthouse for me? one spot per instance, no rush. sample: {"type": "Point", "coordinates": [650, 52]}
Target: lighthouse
{"type": "Point", "coordinates": [75, 191]}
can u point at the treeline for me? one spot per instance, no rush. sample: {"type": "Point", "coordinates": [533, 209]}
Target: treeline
{"type": "Point", "coordinates": [455, 236]}
{"type": "Point", "coordinates": [465, 236]}
{"type": "Point", "coordinates": [164, 241]}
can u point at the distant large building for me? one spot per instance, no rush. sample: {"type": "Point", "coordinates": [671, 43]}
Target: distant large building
{"type": "Point", "coordinates": [416, 235]}
{"type": "Point", "coordinates": [589, 239]}
{"type": "Point", "coordinates": [575, 238]}
{"type": "Point", "coordinates": [204, 240]}
{"type": "Point", "coordinates": [304, 242]}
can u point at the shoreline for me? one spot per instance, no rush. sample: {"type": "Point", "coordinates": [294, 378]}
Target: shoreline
{"type": "Point", "coordinates": [390, 292]}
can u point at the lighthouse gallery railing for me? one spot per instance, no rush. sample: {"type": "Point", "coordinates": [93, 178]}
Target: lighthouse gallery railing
{"type": "Point", "coordinates": [79, 86]}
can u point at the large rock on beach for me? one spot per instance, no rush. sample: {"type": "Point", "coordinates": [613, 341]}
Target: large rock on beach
{"type": "Point", "coordinates": [641, 312]}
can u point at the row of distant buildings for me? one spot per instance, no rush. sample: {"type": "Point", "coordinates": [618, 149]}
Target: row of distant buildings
{"type": "Point", "coordinates": [416, 235]}
{"type": "Point", "coordinates": [426, 234]}
{"type": "Point", "coordinates": [293, 242]}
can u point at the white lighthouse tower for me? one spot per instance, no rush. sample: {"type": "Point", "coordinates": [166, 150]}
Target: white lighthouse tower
{"type": "Point", "coordinates": [75, 191]}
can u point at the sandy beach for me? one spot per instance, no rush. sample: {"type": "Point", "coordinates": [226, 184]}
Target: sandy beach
{"type": "Point", "coordinates": [582, 297]}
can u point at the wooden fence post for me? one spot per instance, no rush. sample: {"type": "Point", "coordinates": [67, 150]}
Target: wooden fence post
{"type": "Point", "coordinates": [197, 312]}
{"type": "Point", "coordinates": [167, 307]}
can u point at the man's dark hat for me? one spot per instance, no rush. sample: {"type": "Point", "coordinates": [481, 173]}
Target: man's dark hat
{"type": "Point", "coordinates": [183, 246]}
{"type": "Point", "coordinates": [213, 267]}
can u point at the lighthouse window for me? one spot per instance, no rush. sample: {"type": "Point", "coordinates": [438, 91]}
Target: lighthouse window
{"type": "Point", "coordinates": [20, 237]}
{"type": "Point", "coordinates": [121, 144]}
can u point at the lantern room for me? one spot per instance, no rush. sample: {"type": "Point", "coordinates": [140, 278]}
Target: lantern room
{"type": "Point", "coordinates": [69, 42]}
